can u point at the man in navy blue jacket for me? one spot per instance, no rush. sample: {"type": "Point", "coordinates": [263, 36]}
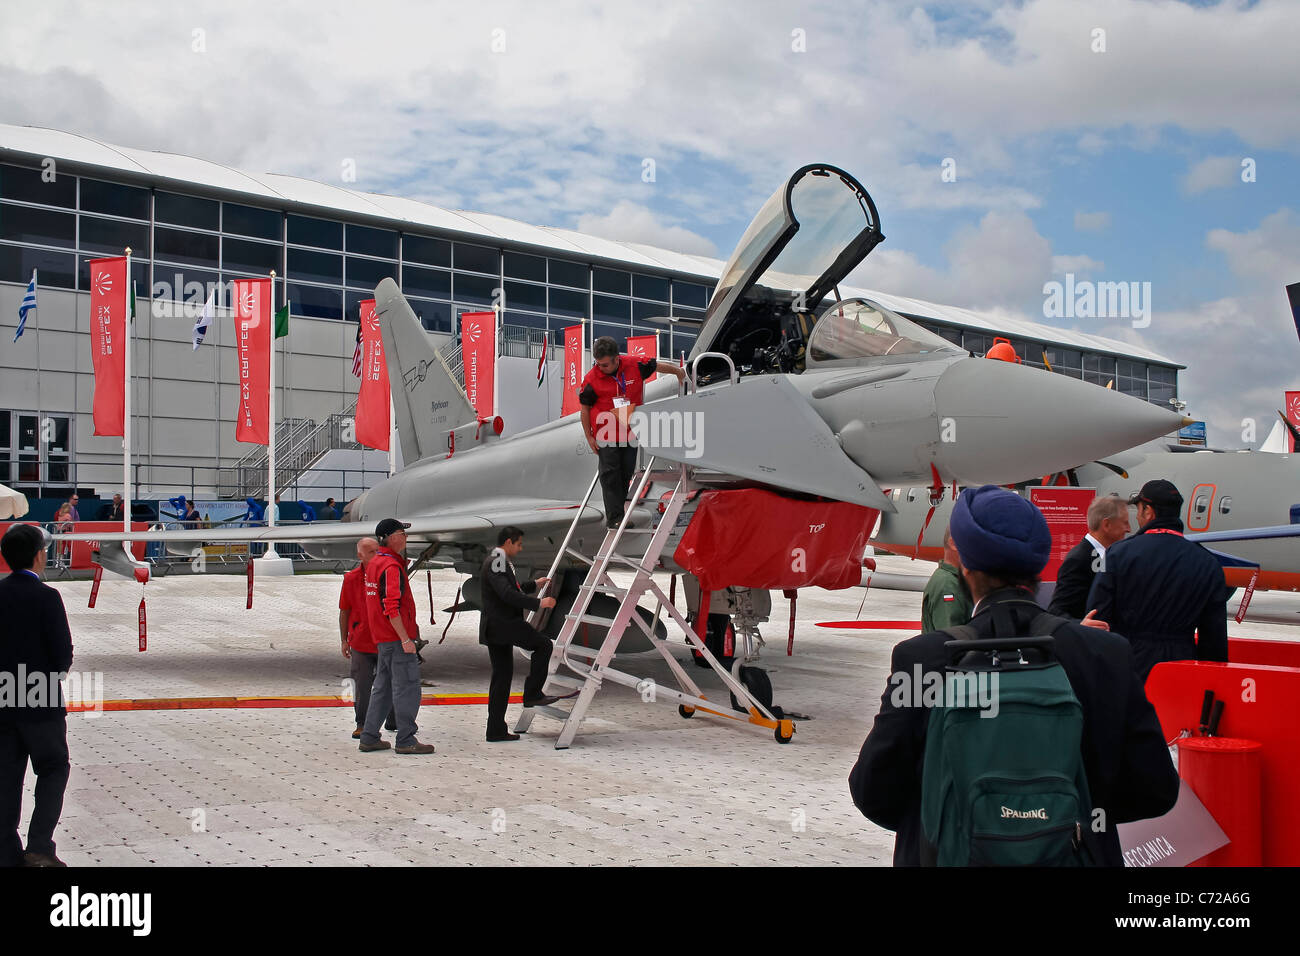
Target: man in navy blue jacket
{"type": "Point", "coordinates": [1164, 593]}
{"type": "Point", "coordinates": [35, 652]}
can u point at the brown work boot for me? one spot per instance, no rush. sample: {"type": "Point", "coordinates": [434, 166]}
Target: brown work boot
{"type": "Point", "coordinates": [42, 859]}
{"type": "Point", "coordinates": [415, 748]}
{"type": "Point", "coordinates": [366, 748]}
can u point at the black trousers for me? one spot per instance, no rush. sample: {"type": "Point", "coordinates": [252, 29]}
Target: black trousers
{"type": "Point", "coordinates": [363, 677]}
{"type": "Point", "coordinates": [45, 743]}
{"type": "Point", "coordinates": [503, 671]}
{"type": "Point", "coordinates": [617, 465]}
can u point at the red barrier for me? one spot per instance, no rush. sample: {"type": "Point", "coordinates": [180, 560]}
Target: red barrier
{"type": "Point", "coordinates": [1224, 773]}
{"type": "Point", "coordinates": [1247, 650]}
{"type": "Point", "coordinates": [1260, 705]}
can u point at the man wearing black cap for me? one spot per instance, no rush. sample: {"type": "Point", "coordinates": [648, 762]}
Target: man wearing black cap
{"type": "Point", "coordinates": [390, 612]}
{"type": "Point", "coordinates": [1004, 545]}
{"type": "Point", "coordinates": [1164, 593]}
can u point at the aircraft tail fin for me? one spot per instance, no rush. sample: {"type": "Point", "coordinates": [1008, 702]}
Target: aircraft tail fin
{"type": "Point", "coordinates": [427, 401]}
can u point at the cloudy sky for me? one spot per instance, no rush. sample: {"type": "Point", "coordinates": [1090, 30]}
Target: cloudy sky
{"type": "Point", "coordinates": [1105, 139]}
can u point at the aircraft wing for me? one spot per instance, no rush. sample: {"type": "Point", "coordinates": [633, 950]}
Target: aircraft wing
{"type": "Point", "coordinates": [1247, 534]}
{"type": "Point", "coordinates": [468, 520]}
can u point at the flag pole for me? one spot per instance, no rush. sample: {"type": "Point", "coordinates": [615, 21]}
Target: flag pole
{"type": "Point", "coordinates": [40, 412]}
{"type": "Point", "coordinates": [126, 408]}
{"type": "Point", "coordinates": [270, 448]}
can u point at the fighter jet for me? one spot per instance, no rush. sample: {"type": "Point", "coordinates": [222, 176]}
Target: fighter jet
{"type": "Point", "coordinates": [793, 390]}
{"type": "Point", "coordinates": [1243, 499]}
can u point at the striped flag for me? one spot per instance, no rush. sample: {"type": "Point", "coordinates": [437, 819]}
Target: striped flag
{"type": "Point", "coordinates": [27, 305]}
{"type": "Point", "coordinates": [356, 354]}
{"type": "Point", "coordinates": [204, 320]}
{"type": "Point", "coordinates": [541, 367]}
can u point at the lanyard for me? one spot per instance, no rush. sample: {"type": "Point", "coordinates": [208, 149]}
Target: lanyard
{"type": "Point", "coordinates": [622, 382]}
{"type": "Point", "coordinates": [1163, 531]}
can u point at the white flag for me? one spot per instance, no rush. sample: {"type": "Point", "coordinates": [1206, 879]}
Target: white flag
{"type": "Point", "coordinates": [201, 326]}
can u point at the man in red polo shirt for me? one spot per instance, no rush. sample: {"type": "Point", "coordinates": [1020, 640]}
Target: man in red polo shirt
{"type": "Point", "coordinates": [354, 629]}
{"type": "Point", "coordinates": [613, 389]}
{"type": "Point", "coordinates": [390, 611]}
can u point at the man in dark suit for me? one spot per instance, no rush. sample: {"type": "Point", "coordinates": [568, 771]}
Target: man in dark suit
{"type": "Point", "coordinates": [111, 511]}
{"type": "Point", "coordinates": [35, 645]}
{"type": "Point", "coordinates": [1107, 524]}
{"type": "Point", "coordinates": [1004, 543]}
{"type": "Point", "coordinates": [502, 628]}
{"type": "Point", "coordinates": [1164, 593]}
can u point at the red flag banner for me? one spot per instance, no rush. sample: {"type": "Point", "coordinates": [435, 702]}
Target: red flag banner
{"type": "Point", "coordinates": [572, 368]}
{"type": "Point", "coordinates": [372, 401]}
{"type": "Point", "coordinates": [644, 347]}
{"type": "Point", "coordinates": [109, 294]}
{"type": "Point", "coordinates": [252, 314]}
{"type": "Point", "coordinates": [478, 352]}
{"type": "Point", "coordinates": [1293, 415]}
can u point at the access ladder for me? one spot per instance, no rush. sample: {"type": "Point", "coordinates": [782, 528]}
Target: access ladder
{"type": "Point", "coordinates": [591, 666]}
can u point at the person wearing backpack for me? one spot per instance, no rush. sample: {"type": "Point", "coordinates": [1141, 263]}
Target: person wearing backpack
{"type": "Point", "coordinates": [1124, 773]}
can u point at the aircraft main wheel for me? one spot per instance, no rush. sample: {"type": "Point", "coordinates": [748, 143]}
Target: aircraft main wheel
{"type": "Point", "coordinates": [783, 738]}
{"type": "Point", "coordinates": [686, 712]}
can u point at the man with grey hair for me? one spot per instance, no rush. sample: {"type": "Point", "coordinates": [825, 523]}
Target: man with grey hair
{"type": "Point", "coordinates": [1107, 524]}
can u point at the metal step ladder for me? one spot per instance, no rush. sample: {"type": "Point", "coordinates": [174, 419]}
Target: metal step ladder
{"type": "Point", "coordinates": [590, 667]}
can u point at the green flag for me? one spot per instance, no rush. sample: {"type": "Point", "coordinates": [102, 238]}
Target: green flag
{"type": "Point", "coordinates": [282, 322]}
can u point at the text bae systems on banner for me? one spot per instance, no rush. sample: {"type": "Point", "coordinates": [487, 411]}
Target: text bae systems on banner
{"type": "Point", "coordinates": [372, 400]}
{"type": "Point", "coordinates": [252, 314]}
{"type": "Point", "coordinates": [108, 307]}
{"type": "Point", "coordinates": [478, 348]}
{"type": "Point", "coordinates": [572, 369]}
{"type": "Point", "coordinates": [644, 347]}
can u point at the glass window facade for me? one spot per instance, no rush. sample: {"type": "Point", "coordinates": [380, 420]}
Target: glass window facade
{"type": "Point", "coordinates": [331, 265]}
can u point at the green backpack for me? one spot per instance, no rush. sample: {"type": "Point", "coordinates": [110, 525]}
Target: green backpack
{"type": "Point", "coordinates": [1010, 789]}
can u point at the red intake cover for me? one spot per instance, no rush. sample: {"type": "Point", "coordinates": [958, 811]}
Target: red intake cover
{"type": "Point", "coordinates": [758, 539]}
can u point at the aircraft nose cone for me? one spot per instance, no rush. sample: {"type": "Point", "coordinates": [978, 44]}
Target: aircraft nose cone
{"type": "Point", "coordinates": [1000, 423]}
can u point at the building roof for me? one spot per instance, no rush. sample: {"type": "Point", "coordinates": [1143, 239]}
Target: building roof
{"type": "Point", "coordinates": [180, 172]}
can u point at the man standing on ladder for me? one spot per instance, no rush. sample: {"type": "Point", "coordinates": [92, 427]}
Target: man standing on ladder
{"type": "Point", "coordinates": [502, 628]}
{"type": "Point", "coordinates": [613, 388]}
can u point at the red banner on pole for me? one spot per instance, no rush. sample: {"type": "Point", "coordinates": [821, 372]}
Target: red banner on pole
{"type": "Point", "coordinates": [572, 368]}
{"type": "Point", "coordinates": [109, 302]}
{"type": "Point", "coordinates": [252, 314]}
{"type": "Point", "coordinates": [1293, 415]}
{"type": "Point", "coordinates": [372, 401]}
{"type": "Point", "coordinates": [644, 347]}
{"type": "Point", "coordinates": [478, 352]}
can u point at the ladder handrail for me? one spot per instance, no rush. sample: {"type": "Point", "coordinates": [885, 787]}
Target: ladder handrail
{"type": "Point", "coordinates": [695, 362]}
{"type": "Point", "coordinates": [536, 616]}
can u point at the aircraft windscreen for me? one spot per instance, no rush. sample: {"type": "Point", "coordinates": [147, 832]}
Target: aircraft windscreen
{"type": "Point", "coordinates": [859, 329]}
{"type": "Point", "coordinates": [829, 214]}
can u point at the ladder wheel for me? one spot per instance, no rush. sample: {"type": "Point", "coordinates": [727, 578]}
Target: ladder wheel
{"type": "Point", "coordinates": [784, 738]}
{"type": "Point", "coordinates": [686, 712]}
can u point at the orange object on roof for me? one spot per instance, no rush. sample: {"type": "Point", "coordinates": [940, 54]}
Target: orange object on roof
{"type": "Point", "coordinates": [1003, 351]}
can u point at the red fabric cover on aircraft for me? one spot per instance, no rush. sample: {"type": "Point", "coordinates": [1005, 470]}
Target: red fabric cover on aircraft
{"type": "Point", "coordinates": [757, 539]}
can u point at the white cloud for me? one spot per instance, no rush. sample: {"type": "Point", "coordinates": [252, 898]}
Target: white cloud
{"type": "Point", "coordinates": [1091, 221]}
{"type": "Point", "coordinates": [633, 223]}
{"type": "Point", "coordinates": [1270, 253]}
{"type": "Point", "coordinates": [1079, 265]}
{"type": "Point", "coordinates": [1213, 172]}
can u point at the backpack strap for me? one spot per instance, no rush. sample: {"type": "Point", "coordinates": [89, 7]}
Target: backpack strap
{"type": "Point", "coordinates": [961, 632]}
{"type": "Point", "coordinates": [1045, 625]}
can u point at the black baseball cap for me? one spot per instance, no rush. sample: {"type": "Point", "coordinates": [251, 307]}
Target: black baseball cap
{"type": "Point", "coordinates": [388, 526]}
{"type": "Point", "coordinates": [1159, 494]}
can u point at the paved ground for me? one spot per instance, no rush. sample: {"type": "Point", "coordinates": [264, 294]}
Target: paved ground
{"type": "Point", "coordinates": [277, 786]}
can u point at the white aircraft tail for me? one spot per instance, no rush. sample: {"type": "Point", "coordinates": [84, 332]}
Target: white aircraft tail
{"type": "Point", "coordinates": [1276, 440]}
{"type": "Point", "coordinates": [427, 401]}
